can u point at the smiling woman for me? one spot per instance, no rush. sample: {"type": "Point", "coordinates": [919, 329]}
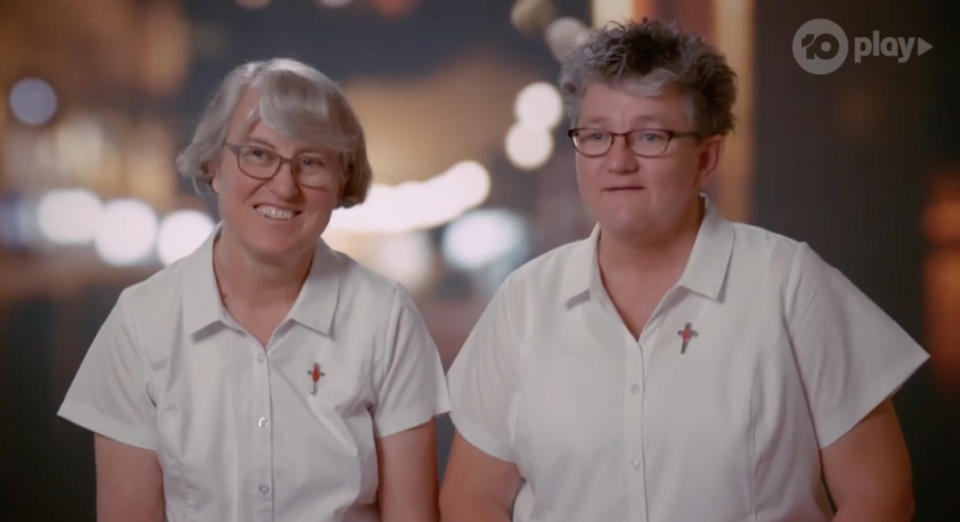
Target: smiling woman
{"type": "Point", "coordinates": [210, 382]}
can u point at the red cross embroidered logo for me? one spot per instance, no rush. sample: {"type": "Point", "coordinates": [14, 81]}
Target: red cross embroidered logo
{"type": "Point", "coordinates": [686, 334]}
{"type": "Point", "coordinates": [315, 374]}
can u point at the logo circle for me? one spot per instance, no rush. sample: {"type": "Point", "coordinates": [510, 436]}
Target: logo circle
{"type": "Point", "coordinates": [820, 46]}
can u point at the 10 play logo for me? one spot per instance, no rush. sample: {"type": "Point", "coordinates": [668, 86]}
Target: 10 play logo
{"type": "Point", "coordinates": [820, 46]}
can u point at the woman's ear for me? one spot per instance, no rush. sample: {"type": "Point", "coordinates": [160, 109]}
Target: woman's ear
{"type": "Point", "coordinates": [711, 151]}
{"type": "Point", "coordinates": [213, 176]}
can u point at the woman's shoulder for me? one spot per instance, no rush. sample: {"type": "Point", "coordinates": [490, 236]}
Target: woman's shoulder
{"type": "Point", "coordinates": [158, 289]}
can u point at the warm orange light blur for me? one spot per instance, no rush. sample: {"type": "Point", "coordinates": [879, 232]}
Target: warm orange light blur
{"type": "Point", "coordinates": [941, 281]}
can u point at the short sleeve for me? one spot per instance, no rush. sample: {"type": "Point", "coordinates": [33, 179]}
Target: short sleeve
{"type": "Point", "coordinates": [410, 387]}
{"type": "Point", "coordinates": [482, 381]}
{"type": "Point", "coordinates": [110, 394]}
{"type": "Point", "coordinates": [851, 355]}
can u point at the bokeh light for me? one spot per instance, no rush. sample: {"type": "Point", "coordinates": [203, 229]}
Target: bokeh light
{"type": "Point", "coordinates": [528, 148]}
{"type": "Point", "coordinates": [253, 4]}
{"type": "Point", "coordinates": [415, 205]}
{"type": "Point", "coordinates": [69, 216]}
{"type": "Point", "coordinates": [33, 101]}
{"type": "Point", "coordinates": [181, 232]}
{"type": "Point", "coordinates": [539, 106]}
{"type": "Point", "coordinates": [563, 34]}
{"type": "Point", "coordinates": [406, 257]}
{"type": "Point", "coordinates": [482, 237]}
{"type": "Point", "coordinates": [333, 3]}
{"type": "Point", "coordinates": [126, 232]}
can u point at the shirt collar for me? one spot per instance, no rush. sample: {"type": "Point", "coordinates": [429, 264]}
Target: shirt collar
{"type": "Point", "coordinates": [706, 270]}
{"type": "Point", "coordinates": [705, 273]}
{"type": "Point", "coordinates": [317, 302]}
{"type": "Point", "coordinates": [201, 296]}
{"type": "Point", "coordinates": [314, 307]}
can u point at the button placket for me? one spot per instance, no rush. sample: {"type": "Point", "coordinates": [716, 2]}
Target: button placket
{"type": "Point", "coordinates": [633, 424]}
{"type": "Point", "coordinates": [261, 469]}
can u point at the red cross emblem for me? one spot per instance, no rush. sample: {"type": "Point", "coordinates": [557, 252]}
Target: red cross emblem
{"type": "Point", "coordinates": [315, 374]}
{"type": "Point", "coordinates": [686, 334]}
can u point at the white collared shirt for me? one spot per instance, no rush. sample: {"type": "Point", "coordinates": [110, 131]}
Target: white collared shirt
{"type": "Point", "coordinates": [785, 355]}
{"type": "Point", "coordinates": [239, 430]}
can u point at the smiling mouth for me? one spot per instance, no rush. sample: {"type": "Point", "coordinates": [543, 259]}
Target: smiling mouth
{"type": "Point", "coordinates": [276, 213]}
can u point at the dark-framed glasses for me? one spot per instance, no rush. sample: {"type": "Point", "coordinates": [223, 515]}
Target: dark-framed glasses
{"type": "Point", "coordinates": [647, 143]}
{"type": "Point", "coordinates": [310, 169]}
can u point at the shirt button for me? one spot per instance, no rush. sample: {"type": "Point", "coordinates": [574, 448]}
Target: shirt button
{"type": "Point", "coordinates": [635, 463]}
{"type": "Point", "coordinates": [264, 489]}
{"type": "Point", "coordinates": [263, 422]}
{"type": "Point", "coordinates": [635, 388]}
{"type": "Point", "coordinates": [261, 358]}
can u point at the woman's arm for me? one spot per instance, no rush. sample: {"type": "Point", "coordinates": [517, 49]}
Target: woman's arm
{"type": "Point", "coordinates": [408, 475]}
{"type": "Point", "coordinates": [867, 470]}
{"type": "Point", "coordinates": [129, 482]}
{"type": "Point", "coordinates": [477, 487]}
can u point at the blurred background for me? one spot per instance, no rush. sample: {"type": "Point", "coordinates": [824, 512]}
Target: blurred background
{"type": "Point", "coordinates": [473, 173]}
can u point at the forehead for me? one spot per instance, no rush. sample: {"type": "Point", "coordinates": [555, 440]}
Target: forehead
{"type": "Point", "coordinates": [604, 104]}
{"type": "Point", "coordinates": [241, 127]}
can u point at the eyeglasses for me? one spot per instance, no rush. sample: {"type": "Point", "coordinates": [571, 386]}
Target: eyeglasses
{"type": "Point", "coordinates": [310, 169]}
{"type": "Point", "coordinates": [647, 143]}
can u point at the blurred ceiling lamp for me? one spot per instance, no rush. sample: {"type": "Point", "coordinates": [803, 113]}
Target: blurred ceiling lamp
{"type": "Point", "coordinates": [414, 205]}
{"type": "Point", "coordinates": [528, 148]}
{"type": "Point", "coordinates": [605, 11]}
{"type": "Point", "coordinates": [482, 237]}
{"type": "Point", "coordinates": [941, 226]}
{"type": "Point", "coordinates": [394, 8]}
{"type": "Point", "coordinates": [69, 216]}
{"type": "Point", "coordinates": [164, 55]}
{"type": "Point", "coordinates": [33, 101]}
{"type": "Point", "coordinates": [253, 4]}
{"type": "Point", "coordinates": [333, 3]}
{"type": "Point", "coordinates": [181, 232]}
{"type": "Point", "coordinates": [407, 258]}
{"type": "Point", "coordinates": [531, 16]}
{"type": "Point", "coordinates": [126, 232]}
{"type": "Point", "coordinates": [18, 223]}
{"type": "Point", "coordinates": [563, 34]}
{"type": "Point", "coordinates": [539, 106]}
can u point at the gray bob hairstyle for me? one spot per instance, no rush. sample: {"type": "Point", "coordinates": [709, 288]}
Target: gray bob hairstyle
{"type": "Point", "coordinates": [296, 100]}
{"type": "Point", "coordinates": [647, 57]}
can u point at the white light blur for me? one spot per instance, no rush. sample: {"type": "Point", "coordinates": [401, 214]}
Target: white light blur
{"type": "Point", "coordinates": [126, 232]}
{"type": "Point", "coordinates": [18, 223]}
{"type": "Point", "coordinates": [528, 148]}
{"type": "Point", "coordinates": [531, 16]}
{"type": "Point", "coordinates": [407, 258]}
{"type": "Point", "coordinates": [482, 237]}
{"type": "Point", "coordinates": [33, 101]}
{"type": "Point", "coordinates": [253, 4]}
{"type": "Point", "coordinates": [563, 34]}
{"type": "Point", "coordinates": [417, 205]}
{"type": "Point", "coordinates": [181, 232]}
{"type": "Point", "coordinates": [333, 3]}
{"type": "Point", "coordinates": [69, 216]}
{"type": "Point", "coordinates": [539, 106]}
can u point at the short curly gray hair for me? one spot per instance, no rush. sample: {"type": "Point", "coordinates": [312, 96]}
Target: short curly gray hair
{"type": "Point", "coordinates": [648, 56]}
{"type": "Point", "coordinates": [295, 100]}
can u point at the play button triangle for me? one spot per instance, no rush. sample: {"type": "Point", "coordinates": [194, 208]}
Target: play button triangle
{"type": "Point", "coordinates": [923, 46]}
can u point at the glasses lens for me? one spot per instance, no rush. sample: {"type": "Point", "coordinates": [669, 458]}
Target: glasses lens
{"type": "Point", "coordinates": [648, 142]}
{"type": "Point", "coordinates": [315, 170]}
{"type": "Point", "coordinates": [592, 142]}
{"type": "Point", "coordinates": [257, 161]}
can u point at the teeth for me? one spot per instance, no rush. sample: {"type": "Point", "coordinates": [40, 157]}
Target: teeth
{"type": "Point", "coordinates": [274, 212]}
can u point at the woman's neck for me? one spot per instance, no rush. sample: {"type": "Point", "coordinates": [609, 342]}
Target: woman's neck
{"type": "Point", "coordinates": [248, 280]}
{"type": "Point", "coordinates": [628, 257]}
